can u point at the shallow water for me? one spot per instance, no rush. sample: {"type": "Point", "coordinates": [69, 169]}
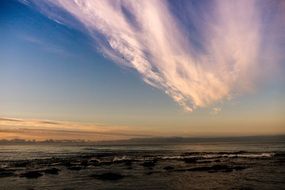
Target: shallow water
{"type": "Point", "coordinates": [215, 165]}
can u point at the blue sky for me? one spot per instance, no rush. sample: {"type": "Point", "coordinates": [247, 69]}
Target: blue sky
{"type": "Point", "coordinates": [55, 63]}
{"type": "Point", "coordinates": [52, 67]}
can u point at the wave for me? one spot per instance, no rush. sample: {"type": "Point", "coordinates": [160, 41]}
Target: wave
{"type": "Point", "coordinates": [195, 156]}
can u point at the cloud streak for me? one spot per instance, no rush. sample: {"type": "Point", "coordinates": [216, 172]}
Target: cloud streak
{"type": "Point", "coordinates": [11, 128]}
{"type": "Point", "coordinates": [197, 53]}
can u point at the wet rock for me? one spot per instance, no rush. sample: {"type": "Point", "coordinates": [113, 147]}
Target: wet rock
{"type": "Point", "coordinates": [53, 171]}
{"type": "Point", "coordinates": [240, 152]}
{"type": "Point", "coordinates": [6, 173]}
{"type": "Point", "coordinates": [84, 163]}
{"type": "Point", "coordinates": [211, 169]}
{"type": "Point", "coordinates": [149, 164]}
{"type": "Point", "coordinates": [108, 176]}
{"type": "Point", "coordinates": [190, 160]}
{"type": "Point", "coordinates": [205, 168]}
{"type": "Point", "coordinates": [106, 163]}
{"type": "Point", "coordinates": [242, 188]}
{"type": "Point", "coordinates": [31, 174]}
{"type": "Point", "coordinates": [66, 163]}
{"type": "Point", "coordinates": [169, 168]}
{"type": "Point", "coordinates": [21, 164]}
{"type": "Point", "coordinates": [204, 161]}
{"type": "Point", "coordinates": [238, 168]}
{"type": "Point", "coordinates": [94, 162]}
{"type": "Point", "coordinates": [188, 153]}
{"type": "Point", "coordinates": [218, 168]}
{"type": "Point", "coordinates": [280, 154]}
{"type": "Point", "coordinates": [128, 162]}
{"type": "Point", "coordinates": [149, 173]}
{"type": "Point", "coordinates": [280, 161]}
{"type": "Point", "coordinates": [86, 157]}
{"type": "Point", "coordinates": [181, 170]}
{"type": "Point", "coordinates": [77, 168]}
{"type": "Point", "coordinates": [279, 158]}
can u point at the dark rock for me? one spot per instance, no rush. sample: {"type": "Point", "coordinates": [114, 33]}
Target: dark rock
{"type": "Point", "coordinates": [242, 188]}
{"type": "Point", "coordinates": [87, 156]}
{"type": "Point", "coordinates": [31, 174]}
{"type": "Point", "coordinates": [181, 170]}
{"type": "Point", "coordinates": [281, 162]}
{"type": "Point", "coordinates": [168, 168]}
{"type": "Point", "coordinates": [149, 164]}
{"type": "Point", "coordinates": [149, 173]}
{"type": "Point", "coordinates": [240, 152]}
{"type": "Point", "coordinates": [220, 167]}
{"type": "Point", "coordinates": [223, 170]}
{"type": "Point", "coordinates": [190, 160]}
{"type": "Point", "coordinates": [6, 173]}
{"type": "Point", "coordinates": [238, 168]}
{"type": "Point", "coordinates": [204, 161]}
{"type": "Point", "coordinates": [66, 163]}
{"type": "Point", "coordinates": [106, 163]}
{"type": "Point", "coordinates": [188, 153]}
{"type": "Point", "coordinates": [279, 155]}
{"type": "Point", "coordinates": [128, 162]}
{"type": "Point", "coordinates": [108, 176]}
{"type": "Point", "coordinates": [205, 168]}
{"type": "Point", "coordinates": [77, 168]}
{"type": "Point", "coordinates": [21, 163]}
{"type": "Point", "coordinates": [213, 169]}
{"type": "Point", "coordinates": [94, 162]}
{"type": "Point", "coordinates": [53, 171]}
{"type": "Point", "coordinates": [84, 163]}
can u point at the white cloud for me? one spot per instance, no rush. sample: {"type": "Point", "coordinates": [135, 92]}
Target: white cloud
{"type": "Point", "coordinates": [215, 111]}
{"type": "Point", "coordinates": [146, 36]}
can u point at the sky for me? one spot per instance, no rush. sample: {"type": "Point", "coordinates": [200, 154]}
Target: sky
{"type": "Point", "coordinates": [118, 69]}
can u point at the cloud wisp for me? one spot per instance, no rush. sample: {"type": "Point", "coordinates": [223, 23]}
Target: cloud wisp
{"type": "Point", "coordinates": [11, 128]}
{"type": "Point", "coordinates": [197, 53]}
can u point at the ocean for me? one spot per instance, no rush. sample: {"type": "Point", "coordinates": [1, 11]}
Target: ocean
{"type": "Point", "coordinates": [184, 165]}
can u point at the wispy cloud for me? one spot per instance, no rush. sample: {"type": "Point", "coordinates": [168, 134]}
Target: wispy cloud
{"type": "Point", "coordinates": [198, 54]}
{"type": "Point", "coordinates": [47, 46]}
{"type": "Point", "coordinates": [215, 111]}
{"type": "Point", "coordinates": [11, 128]}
